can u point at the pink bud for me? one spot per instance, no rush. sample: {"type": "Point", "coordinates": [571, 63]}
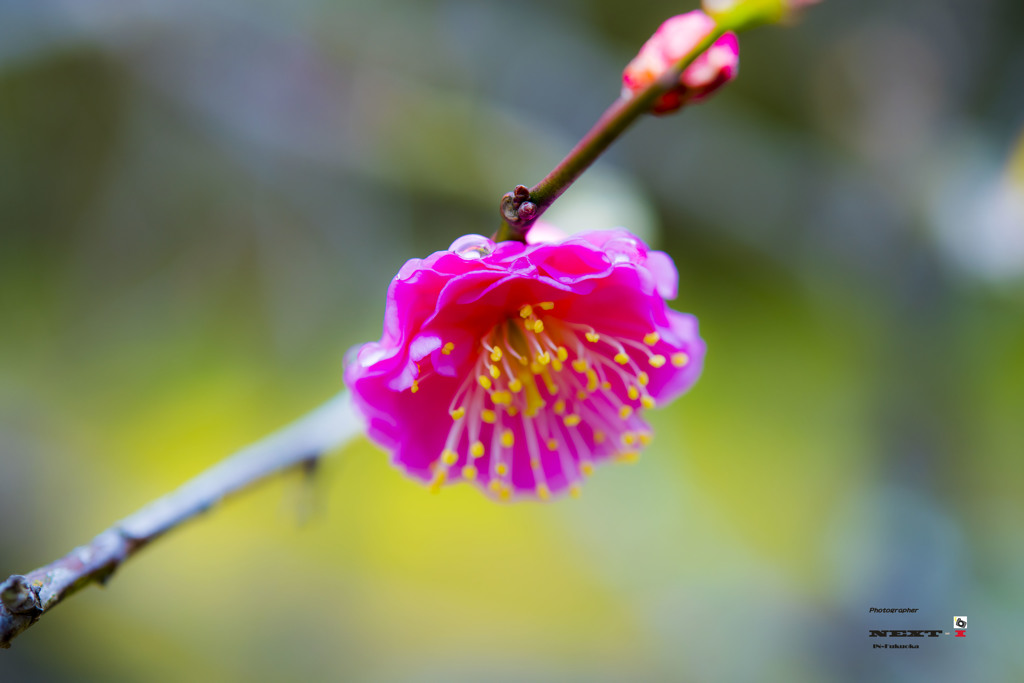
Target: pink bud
{"type": "Point", "coordinates": [671, 42]}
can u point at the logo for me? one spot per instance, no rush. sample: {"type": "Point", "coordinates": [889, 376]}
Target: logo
{"type": "Point", "coordinates": [960, 626]}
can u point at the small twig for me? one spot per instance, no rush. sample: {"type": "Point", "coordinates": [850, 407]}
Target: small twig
{"type": "Point", "coordinates": [523, 206]}
{"type": "Point", "coordinates": [23, 599]}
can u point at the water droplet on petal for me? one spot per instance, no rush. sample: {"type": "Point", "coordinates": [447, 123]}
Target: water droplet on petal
{"type": "Point", "coordinates": [472, 247]}
{"type": "Point", "coordinates": [622, 249]}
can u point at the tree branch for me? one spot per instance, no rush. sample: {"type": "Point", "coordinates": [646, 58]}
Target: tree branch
{"type": "Point", "coordinates": [25, 598]}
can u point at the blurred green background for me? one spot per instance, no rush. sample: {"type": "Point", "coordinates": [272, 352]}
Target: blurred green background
{"type": "Point", "coordinates": [202, 203]}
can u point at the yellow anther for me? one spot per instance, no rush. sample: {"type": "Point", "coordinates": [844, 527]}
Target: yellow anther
{"type": "Point", "coordinates": [495, 485]}
{"type": "Point", "coordinates": [647, 402]}
{"type": "Point", "coordinates": [512, 411]}
{"type": "Point", "coordinates": [469, 472]}
{"type": "Point", "coordinates": [629, 456]}
{"type": "Point", "coordinates": [536, 368]}
{"type": "Point", "coordinates": [496, 354]}
{"type": "Point", "coordinates": [575, 490]}
{"type": "Point", "coordinates": [485, 381]}
{"type": "Point", "coordinates": [501, 398]}
{"type": "Point", "coordinates": [543, 357]}
{"type": "Point", "coordinates": [556, 365]}
{"type": "Point", "coordinates": [439, 479]}
{"type": "Point", "coordinates": [495, 371]}
{"type": "Point", "coordinates": [507, 438]}
{"type": "Point", "coordinates": [415, 386]}
{"type": "Point", "coordinates": [458, 413]}
{"type": "Point", "coordinates": [448, 457]}
{"type": "Point", "coordinates": [579, 365]}
{"type": "Point", "coordinates": [625, 412]}
{"type": "Point", "coordinates": [538, 326]}
{"type": "Point", "coordinates": [656, 361]}
{"type": "Point", "coordinates": [547, 305]}
{"type": "Point", "coordinates": [651, 338]}
{"type": "Point", "coordinates": [515, 386]}
{"type": "Point", "coordinates": [599, 437]}
{"type": "Point", "coordinates": [645, 438]}
{"type": "Point", "coordinates": [562, 353]}
{"type": "Point", "coordinates": [586, 468]}
{"type": "Point", "coordinates": [501, 469]}
{"type": "Point", "coordinates": [633, 393]}
{"type": "Point", "coordinates": [477, 449]}
{"type": "Point", "coordinates": [526, 311]}
{"type": "Point", "coordinates": [543, 492]}
{"type": "Point", "coordinates": [488, 416]}
{"type": "Point", "coordinates": [606, 385]}
{"type": "Point", "coordinates": [581, 395]}
{"type": "Point", "coordinates": [448, 348]}
{"type": "Point", "coordinates": [592, 337]}
{"type": "Point", "coordinates": [680, 359]}
{"type": "Point", "coordinates": [621, 358]}
{"type": "Point", "coordinates": [643, 378]}
{"type": "Point", "coordinates": [552, 445]}
{"type": "Point", "coordinates": [571, 420]}
{"type": "Point", "coordinates": [628, 438]}
{"type": "Point", "coordinates": [534, 462]}
{"type": "Point", "coordinates": [592, 382]}
{"type": "Point", "coordinates": [559, 407]}
{"type": "Point", "coordinates": [506, 493]}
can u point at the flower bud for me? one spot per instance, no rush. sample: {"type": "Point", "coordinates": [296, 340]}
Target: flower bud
{"type": "Point", "coordinates": [670, 43]}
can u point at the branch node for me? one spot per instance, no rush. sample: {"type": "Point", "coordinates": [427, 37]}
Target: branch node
{"type": "Point", "coordinates": [19, 596]}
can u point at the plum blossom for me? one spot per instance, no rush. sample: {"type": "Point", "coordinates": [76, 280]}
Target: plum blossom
{"type": "Point", "coordinates": [671, 42]}
{"type": "Point", "coordinates": [519, 367]}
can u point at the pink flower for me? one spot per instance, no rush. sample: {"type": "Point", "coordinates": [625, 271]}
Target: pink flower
{"type": "Point", "coordinates": [519, 367]}
{"type": "Point", "coordinates": [671, 42]}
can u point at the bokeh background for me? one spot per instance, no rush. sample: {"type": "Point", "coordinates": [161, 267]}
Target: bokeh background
{"type": "Point", "coordinates": [202, 203]}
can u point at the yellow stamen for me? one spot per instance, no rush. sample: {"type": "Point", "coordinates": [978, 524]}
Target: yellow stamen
{"type": "Point", "coordinates": [512, 411]}
{"type": "Point", "coordinates": [415, 386]}
{"type": "Point", "coordinates": [501, 469]}
{"type": "Point", "coordinates": [485, 381]}
{"type": "Point", "coordinates": [593, 337]}
{"type": "Point", "coordinates": [501, 398]}
{"type": "Point", "coordinates": [656, 361]}
{"type": "Point", "coordinates": [680, 359]}
{"type": "Point", "coordinates": [648, 402]}
{"type": "Point", "coordinates": [495, 371]}
{"type": "Point", "coordinates": [586, 468]}
{"type": "Point", "coordinates": [591, 380]}
{"type": "Point", "coordinates": [538, 326]}
{"type": "Point", "coordinates": [575, 491]}
{"type": "Point", "coordinates": [495, 485]}
{"type": "Point", "coordinates": [629, 456]}
{"type": "Point", "coordinates": [651, 338]}
{"type": "Point", "coordinates": [633, 393]}
{"type": "Point", "coordinates": [469, 472]}
{"type": "Point", "coordinates": [543, 357]}
{"type": "Point", "coordinates": [543, 492]}
{"type": "Point", "coordinates": [606, 385]}
{"type": "Point", "coordinates": [507, 438]}
{"type": "Point", "coordinates": [645, 438]}
{"type": "Point", "coordinates": [526, 311]}
{"type": "Point", "coordinates": [506, 493]}
{"type": "Point", "coordinates": [625, 412]}
{"type": "Point", "coordinates": [458, 413]}
{"type": "Point", "coordinates": [628, 438]}
{"type": "Point", "coordinates": [556, 365]}
{"type": "Point", "coordinates": [435, 486]}
{"type": "Point", "coordinates": [496, 354]}
{"type": "Point", "coordinates": [621, 358]}
{"type": "Point", "coordinates": [562, 353]}
{"type": "Point", "coordinates": [488, 416]}
{"type": "Point", "coordinates": [547, 305]}
{"type": "Point", "coordinates": [477, 449]}
{"type": "Point", "coordinates": [571, 420]}
{"type": "Point", "coordinates": [579, 365]}
{"type": "Point", "coordinates": [559, 407]}
{"type": "Point", "coordinates": [643, 378]}
{"type": "Point", "coordinates": [552, 445]}
{"type": "Point", "coordinates": [448, 348]}
{"type": "Point", "coordinates": [448, 457]}
{"type": "Point", "coordinates": [599, 437]}
{"type": "Point", "coordinates": [515, 386]}
{"type": "Point", "coordinates": [581, 395]}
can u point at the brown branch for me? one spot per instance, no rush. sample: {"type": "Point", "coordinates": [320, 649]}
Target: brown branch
{"type": "Point", "coordinates": [25, 598]}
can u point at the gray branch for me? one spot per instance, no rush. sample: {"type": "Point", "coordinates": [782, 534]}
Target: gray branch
{"type": "Point", "coordinates": [25, 598]}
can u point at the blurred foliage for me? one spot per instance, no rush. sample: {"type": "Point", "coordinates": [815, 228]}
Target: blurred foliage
{"type": "Point", "coordinates": [202, 203]}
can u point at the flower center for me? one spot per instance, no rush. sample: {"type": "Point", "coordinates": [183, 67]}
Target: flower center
{"type": "Point", "coordinates": [564, 388]}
